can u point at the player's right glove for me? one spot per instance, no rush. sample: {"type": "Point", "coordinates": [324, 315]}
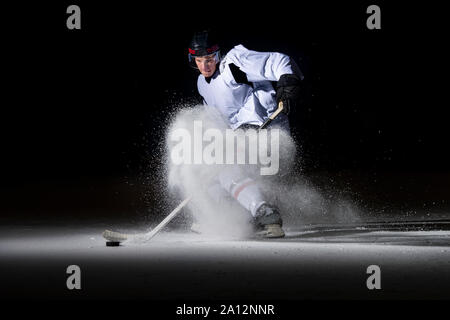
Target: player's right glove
{"type": "Point", "coordinates": [288, 91]}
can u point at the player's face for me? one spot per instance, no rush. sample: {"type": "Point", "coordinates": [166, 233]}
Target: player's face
{"type": "Point", "coordinates": [206, 65]}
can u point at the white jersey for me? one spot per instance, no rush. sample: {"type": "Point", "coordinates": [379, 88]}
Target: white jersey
{"type": "Point", "coordinates": [250, 99]}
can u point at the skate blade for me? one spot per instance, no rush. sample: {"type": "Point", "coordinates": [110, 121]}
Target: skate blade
{"type": "Point", "coordinates": [114, 236]}
{"type": "Point", "coordinates": [271, 231]}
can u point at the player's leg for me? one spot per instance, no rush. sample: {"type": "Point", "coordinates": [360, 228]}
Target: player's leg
{"type": "Point", "coordinates": [246, 191]}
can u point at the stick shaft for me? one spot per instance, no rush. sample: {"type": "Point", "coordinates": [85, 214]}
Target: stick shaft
{"type": "Point", "coordinates": [163, 223]}
{"type": "Point", "coordinates": [273, 115]}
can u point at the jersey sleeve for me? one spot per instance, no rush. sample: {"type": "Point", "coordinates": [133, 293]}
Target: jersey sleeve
{"type": "Point", "coordinates": [260, 66]}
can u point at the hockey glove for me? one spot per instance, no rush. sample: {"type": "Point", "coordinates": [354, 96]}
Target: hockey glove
{"type": "Point", "coordinates": [288, 91]}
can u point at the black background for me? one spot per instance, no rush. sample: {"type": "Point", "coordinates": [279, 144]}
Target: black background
{"type": "Point", "coordinates": [83, 111]}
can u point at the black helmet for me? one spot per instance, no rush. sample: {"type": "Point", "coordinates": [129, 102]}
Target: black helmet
{"type": "Point", "coordinates": [203, 44]}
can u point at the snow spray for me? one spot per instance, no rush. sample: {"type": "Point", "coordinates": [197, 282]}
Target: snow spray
{"type": "Point", "coordinates": [198, 153]}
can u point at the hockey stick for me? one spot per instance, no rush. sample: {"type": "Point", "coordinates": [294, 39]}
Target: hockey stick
{"type": "Point", "coordinates": [273, 115]}
{"type": "Point", "coordinates": [113, 236]}
{"type": "Point", "coordinates": [117, 237]}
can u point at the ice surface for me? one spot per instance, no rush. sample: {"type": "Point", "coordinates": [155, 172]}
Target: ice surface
{"type": "Point", "coordinates": [180, 264]}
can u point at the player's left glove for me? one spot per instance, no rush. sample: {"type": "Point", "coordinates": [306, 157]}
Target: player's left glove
{"type": "Point", "coordinates": [288, 90]}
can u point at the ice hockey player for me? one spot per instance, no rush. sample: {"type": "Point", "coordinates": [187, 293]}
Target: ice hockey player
{"type": "Point", "coordinates": [240, 86]}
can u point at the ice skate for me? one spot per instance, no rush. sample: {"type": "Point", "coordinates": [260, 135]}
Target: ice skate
{"type": "Point", "coordinates": [268, 222]}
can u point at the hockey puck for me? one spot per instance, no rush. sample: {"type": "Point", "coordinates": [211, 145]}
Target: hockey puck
{"type": "Point", "coordinates": [112, 243]}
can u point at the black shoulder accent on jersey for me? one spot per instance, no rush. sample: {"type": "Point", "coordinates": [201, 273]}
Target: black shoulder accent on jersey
{"type": "Point", "coordinates": [216, 73]}
{"type": "Point", "coordinates": [239, 75]}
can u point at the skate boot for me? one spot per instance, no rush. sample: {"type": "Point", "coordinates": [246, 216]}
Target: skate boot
{"type": "Point", "coordinates": [268, 222]}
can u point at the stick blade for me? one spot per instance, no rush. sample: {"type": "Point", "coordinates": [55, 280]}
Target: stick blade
{"type": "Point", "coordinates": [114, 236]}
